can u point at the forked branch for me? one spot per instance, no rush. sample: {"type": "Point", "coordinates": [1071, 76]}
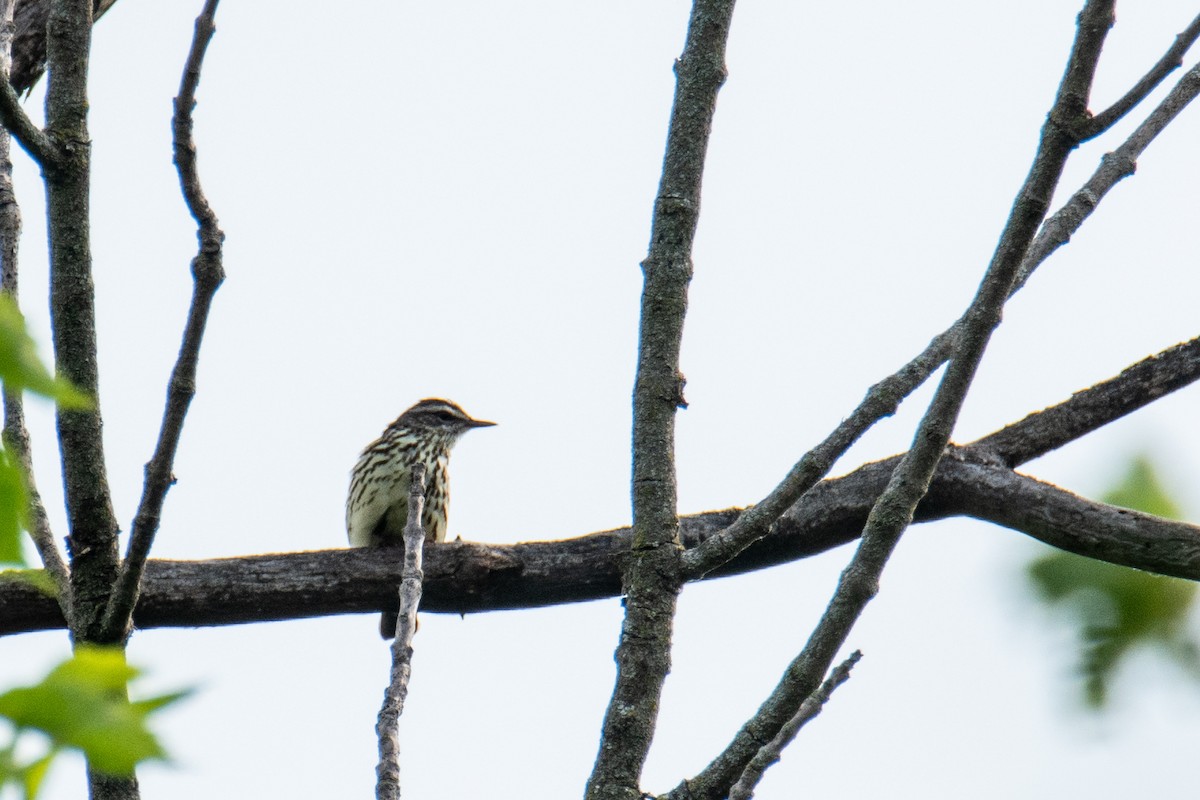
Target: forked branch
{"type": "Point", "coordinates": [772, 752]}
{"type": "Point", "coordinates": [883, 398]}
{"type": "Point", "coordinates": [1170, 61]}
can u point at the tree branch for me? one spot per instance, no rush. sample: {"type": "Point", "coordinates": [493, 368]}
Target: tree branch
{"type": "Point", "coordinates": [16, 435]}
{"type": "Point", "coordinates": [207, 276]}
{"type": "Point", "coordinates": [1171, 61]}
{"type": "Point", "coordinates": [772, 752]}
{"type": "Point", "coordinates": [652, 578]}
{"type": "Point", "coordinates": [41, 148]}
{"type": "Point", "coordinates": [469, 578]}
{"type": "Point", "coordinates": [1114, 167]}
{"type": "Point", "coordinates": [883, 398]}
{"type": "Point", "coordinates": [881, 401]}
{"type": "Point", "coordinates": [35, 142]}
{"type": "Point", "coordinates": [387, 727]}
{"type": "Point", "coordinates": [1093, 408]}
{"type": "Point", "coordinates": [894, 510]}
{"type": "Point", "coordinates": [92, 541]}
{"type": "Point", "coordinates": [465, 577]}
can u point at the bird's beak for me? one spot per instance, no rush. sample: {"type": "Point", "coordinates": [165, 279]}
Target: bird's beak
{"type": "Point", "coordinates": [481, 423]}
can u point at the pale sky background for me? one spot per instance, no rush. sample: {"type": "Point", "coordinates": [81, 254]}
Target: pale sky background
{"type": "Point", "coordinates": [451, 199]}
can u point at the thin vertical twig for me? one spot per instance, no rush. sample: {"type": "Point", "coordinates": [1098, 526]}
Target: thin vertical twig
{"type": "Point", "coordinates": [207, 275]}
{"type": "Point", "coordinates": [387, 727]}
{"type": "Point", "coordinates": [93, 529]}
{"type": "Point", "coordinates": [652, 579]}
{"type": "Point", "coordinates": [92, 534]}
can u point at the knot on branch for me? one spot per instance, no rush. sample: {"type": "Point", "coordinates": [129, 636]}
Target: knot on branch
{"type": "Point", "coordinates": [475, 564]}
{"type": "Point", "coordinates": [207, 269]}
{"type": "Point", "coordinates": [1072, 121]}
{"type": "Point", "coordinates": [677, 397]}
{"type": "Point", "coordinates": [691, 67]}
{"type": "Point", "coordinates": [1121, 163]}
{"type": "Point", "coordinates": [675, 202]}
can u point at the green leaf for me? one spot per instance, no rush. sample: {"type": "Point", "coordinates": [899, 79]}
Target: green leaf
{"type": "Point", "coordinates": [20, 367]}
{"type": "Point", "coordinates": [1118, 610]}
{"type": "Point", "coordinates": [14, 510]}
{"type": "Point", "coordinates": [83, 704]}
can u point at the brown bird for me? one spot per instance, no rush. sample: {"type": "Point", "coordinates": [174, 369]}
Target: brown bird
{"type": "Point", "coordinates": [377, 506]}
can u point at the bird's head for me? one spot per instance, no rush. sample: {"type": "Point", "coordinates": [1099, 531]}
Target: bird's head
{"type": "Point", "coordinates": [439, 416]}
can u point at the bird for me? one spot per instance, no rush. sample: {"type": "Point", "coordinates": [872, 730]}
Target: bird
{"type": "Point", "coordinates": [377, 504]}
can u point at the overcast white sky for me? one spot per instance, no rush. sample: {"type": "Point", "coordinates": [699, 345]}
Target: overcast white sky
{"type": "Point", "coordinates": [451, 199]}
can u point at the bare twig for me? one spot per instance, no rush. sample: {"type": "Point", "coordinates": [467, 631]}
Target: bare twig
{"type": "Point", "coordinates": [652, 580]}
{"type": "Point", "coordinates": [207, 275]}
{"type": "Point", "coordinates": [387, 727]}
{"type": "Point", "coordinates": [1114, 167]}
{"type": "Point", "coordinates": [1171, 61]}
{"type": "Point", "coordinates": [881, 401]}
{"type": "Point", "coordinates": [41, 148]}
{"type": "Point", "coordinates": [35, 142]}
{"type": "Point", "coordinates": [893, 512]}
{"type": "Point", "coordinates": [209, 233]}
{"type": "Point", "coordinates": [16, 436]}
{"type": "Point", "coordinates": [771, 752]}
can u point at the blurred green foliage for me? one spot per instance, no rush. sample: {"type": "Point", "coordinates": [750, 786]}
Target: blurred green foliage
{"type": "Point", "coordinates": [1119, 610]}
{"type": "Point", "coordinates": [20, 367]}
{"type": "Point", "coordinates": [14, 510]}
{"type": "Point", "coordinates": [81, 704]}
{"type": "Point", "coordinates": [34, 578]}
{"type": "Point", "coordinates": [21, 370]}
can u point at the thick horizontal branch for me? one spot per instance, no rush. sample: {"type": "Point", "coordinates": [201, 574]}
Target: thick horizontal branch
{"type": "Point", "coordinates": [466, 577]}
{"type": "Point", "coordinates": [1093, 408]}
{"type": "Point", "coordinates": [463, 577]}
